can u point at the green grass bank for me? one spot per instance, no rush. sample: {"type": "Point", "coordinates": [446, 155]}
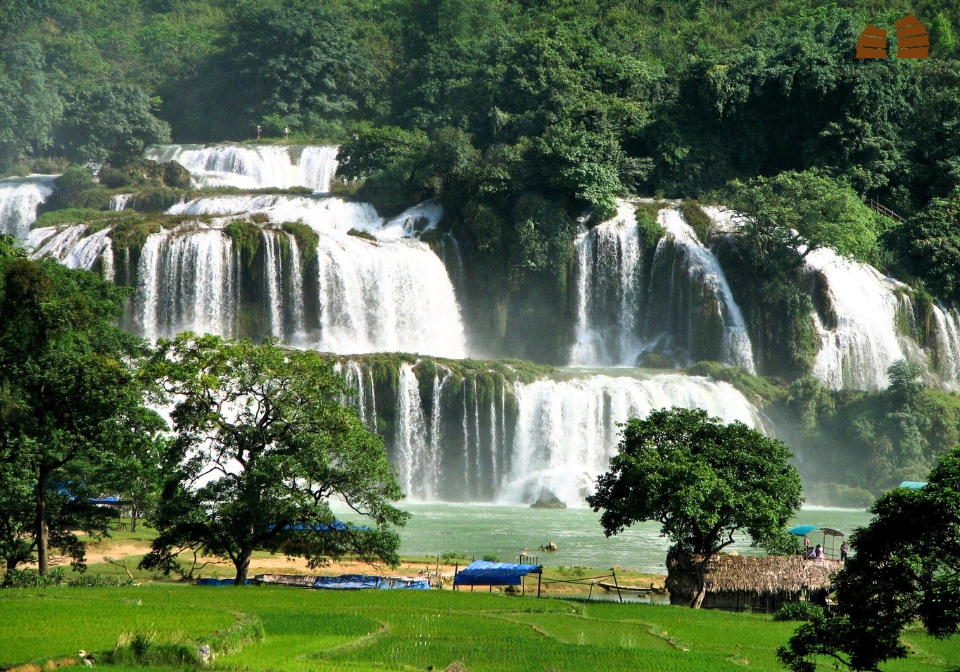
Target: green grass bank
{"type": "Point", "coordinates": [380, 630]}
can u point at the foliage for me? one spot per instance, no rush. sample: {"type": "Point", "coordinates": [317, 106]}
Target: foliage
{"type": "Point", "coordinates": [31, 578]}
{"type": "Point", "coordinates": [698, 220]}
{"type": "Point", "coordinates": [277, 416]}
{"type": "Point", "coordinates": [111, 124]}
{"type": "Point", "coordinates": [929, 245]}
{"type": "Point", "coordinates": [756, 388]}
{"type": "Point", "coordinates": [701, 480]}
{"type": "Point", "coordinates": [68, 394]}
{"type": "Point", "coordinates": [799, 611]}
{"type": "Point", "coordinates": [904, 570]}
{"type": "Point", "coordinates": [869, 441]}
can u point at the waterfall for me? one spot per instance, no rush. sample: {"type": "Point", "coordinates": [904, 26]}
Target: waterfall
{"type": "Point", "coordinates": [254, 166]}
{"type": "Point", "coordinates": [567, 430]}
{"type": "Point", "coordinates": [71, 246]}
{"type": "Point", "coordinates": [947, 349]}
{"type": "Point", "coordinates": [295, 291]}
{"type": "Point", "coordinates": [415, 467]}
{"type": "Point", "coordinates": [186, 279]}
{"type": "Point", "coordinates": [682, 305]}
{"type": "Point", "coordinates": [609, 292]}
{"type": "Point", "coordinates": [466, 443]}
{"type": "Point", "coordinates": [119, 201]}
{"type": "Point", "coordinates": [273, 274]}
{"type": "Point", "coordinates": [867, 339]}
{"type": "Point", "coordinates": [19, 199]}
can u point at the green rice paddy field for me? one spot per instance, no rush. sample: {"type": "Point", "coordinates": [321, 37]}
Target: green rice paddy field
{"type": "Point", "coordinates": [380, 630]}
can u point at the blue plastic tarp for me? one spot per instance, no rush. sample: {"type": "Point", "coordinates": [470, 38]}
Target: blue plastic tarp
{"type": "Point", "coordinates": [483, 573]}
{"type": "Point", "coordinates": [914, 485]}
{"type": "Point", "coordinates": [803, 530]}
{"type": "Point", "coordinates": [361, 582]}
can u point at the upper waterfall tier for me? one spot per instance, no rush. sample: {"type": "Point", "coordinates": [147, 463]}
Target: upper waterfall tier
{"type": "Point", "coordinates": [675, 301]}
{"type": "Point", "coordinates": [481, 435]}
{"type": "Point", "coordinates": [237, 276]}
{"type": "Point", "coordinates": [19, 198]}
{"type": "Point", "coordinates": [254, 166]}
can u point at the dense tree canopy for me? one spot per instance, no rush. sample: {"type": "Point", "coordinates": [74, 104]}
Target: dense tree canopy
{"type": "Point", "coordinates": [263, 444]}
{"type": "Point", "coordinates": [67, 394]}
{"type": "Point", "coordinates": [701, 480]}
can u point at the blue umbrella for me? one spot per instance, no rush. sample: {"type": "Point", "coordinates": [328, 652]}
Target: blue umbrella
{"type": "Point", "coordinates": [803, 530]}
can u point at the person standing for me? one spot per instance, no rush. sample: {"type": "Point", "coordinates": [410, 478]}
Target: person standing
{"type": "Point", "coordinates": [844, 550]}
{"type": "Point", "coordinates": [806, 546]}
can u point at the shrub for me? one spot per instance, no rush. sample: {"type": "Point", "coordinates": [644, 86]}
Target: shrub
{"type": "Point", "coordinates": [799, 611]}
{"type": "Point", "coordinates": [490, 557]}
{"type": "Point", "coordinates": [357, 233]}
{"type": "Point", "coordinates": [30, 578]}
{"type": "Point", "coordinates": [698, 220]}
{"type": "Point", "coordinates": [452, 556]}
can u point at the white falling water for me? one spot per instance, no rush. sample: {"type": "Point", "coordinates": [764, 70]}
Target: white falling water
{"type": "Point", "coordinates": [273, 273]}
{"type": "Point", "coordinates": [186, 279]}
{"type": "Point", "coordinates": [415, 475]}
{"type": "Point", "coordinates": [120, 201]}
{"type": "Point", "coordinates": [608, 261]}
{"type": "Point", "coordinates": [254, 166]}
{"type": "Point", "coordinates": [621, 314]}
{"type": "Point", "coordinates": [19, 199]}
{"type": "Point", "coordinates": [703, 267]}
{"type": "Point", "coordinates": [566, 430]}
{"type": "Point", "coordinates": [947, 337]}
{"type": "Point", "coordinates": [296, 290]}
{"type": "Point", "coordinates": [866, 341]}
{"type": "Point", "coordinates": [389, 295]}
{"type": "Point", "coordinates": [73, 248]}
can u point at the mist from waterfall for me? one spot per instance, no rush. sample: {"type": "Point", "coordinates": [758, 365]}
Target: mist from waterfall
{"type": "Point", "coordinates": [254, 166]}
{"type": "Point", "coordinates": [19, 199]}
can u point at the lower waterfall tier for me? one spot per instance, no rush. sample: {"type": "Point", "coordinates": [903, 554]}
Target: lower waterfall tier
{"type": "Point", "coordinates": [462, 432]}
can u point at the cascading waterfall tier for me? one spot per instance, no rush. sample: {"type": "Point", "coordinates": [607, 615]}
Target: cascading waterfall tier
{"type": "Point", "coordinates": [875, 325]}
{"type": "Point", "coordinates": [254, 166]}
{"type": "Point", "coordinates": [317, 286]}
{"type": "Point", "coordinates": [671, 300]}
{"type": "Point", "coordinates": [458, 433]}
{"type": "Point", "coordinates": [19, 199]}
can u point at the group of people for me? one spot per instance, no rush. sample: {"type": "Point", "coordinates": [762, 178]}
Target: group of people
{"type": "Point", "coordinates": [817, 553]}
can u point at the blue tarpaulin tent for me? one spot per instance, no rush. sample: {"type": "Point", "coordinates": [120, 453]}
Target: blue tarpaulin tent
{"type": "Point", "coordinates": [483, 573]}
{"type": "Point", "coordinates": [220, 582]}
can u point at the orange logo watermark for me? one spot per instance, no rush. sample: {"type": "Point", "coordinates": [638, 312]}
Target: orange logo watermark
{"type": "Point", "coordinates": [912, 40]}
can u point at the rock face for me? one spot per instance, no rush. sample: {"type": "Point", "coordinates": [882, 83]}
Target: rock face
{"type": "Point", "coordinates": [548, 500]}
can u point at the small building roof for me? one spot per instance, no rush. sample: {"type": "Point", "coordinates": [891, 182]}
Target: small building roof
{"type": "Point", "coordinates": [757, 574]}
{"type": "Point", "coordinates": [483, 573]}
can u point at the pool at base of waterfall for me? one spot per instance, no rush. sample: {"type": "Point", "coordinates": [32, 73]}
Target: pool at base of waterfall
{"type": "Point", "coordinates": [507, 531]}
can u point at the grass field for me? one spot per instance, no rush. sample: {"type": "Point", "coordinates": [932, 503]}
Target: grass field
{"type": "Point", "coordinates": [396, 630]}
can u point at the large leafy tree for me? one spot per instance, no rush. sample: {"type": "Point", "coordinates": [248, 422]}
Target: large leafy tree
{"type": "Point", "coordinates": [67, 390]}
{"type": "Point", "coordinates": [905, 569]}
{"type": "Point", "coordinates": [263, 443]}
{"type": "Point", "coordinates": [703, 481]}
{"type": "Point", "coordinates": [112, 124]}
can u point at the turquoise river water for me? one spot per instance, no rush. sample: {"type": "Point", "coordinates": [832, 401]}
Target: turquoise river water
{"type": "Point", "coordinates": [507, 531]}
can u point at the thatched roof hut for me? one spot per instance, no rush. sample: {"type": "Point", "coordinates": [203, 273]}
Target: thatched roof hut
{"type": "Point", "coordinates": [743, 582]}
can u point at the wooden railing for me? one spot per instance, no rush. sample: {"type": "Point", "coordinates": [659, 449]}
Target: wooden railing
{"type": "Point", "coordinates": [885, 211]}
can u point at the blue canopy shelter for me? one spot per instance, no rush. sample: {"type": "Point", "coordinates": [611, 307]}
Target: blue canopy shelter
{"type": "Point", "coordinates": [804, 530]}
{"type": "Point", "coordinates": [483, 573]}
{"type": "Point", "coordinates": [913, 485]}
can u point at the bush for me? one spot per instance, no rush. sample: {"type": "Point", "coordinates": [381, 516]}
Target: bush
{"type": "Point", "coordinates": [451, 557]}
{"type": "Point", "coordinates": [698, 220]}
{"type": "Point", "coordinates": [30, 578]}
{"type": "Point", "coordinates": [490, 557]}
{"type": "Point", "coordinates": [799, 611]}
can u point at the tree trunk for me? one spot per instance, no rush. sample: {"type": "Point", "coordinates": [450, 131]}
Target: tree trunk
{"type": "Point", "coordinates": [43, 532]}
{"type": "Point", "coordinates": [134, 515]}
{"type": "Point", "coordinates": [242, 563]}
{"type": "Point", "coordinates": [701, 593]}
